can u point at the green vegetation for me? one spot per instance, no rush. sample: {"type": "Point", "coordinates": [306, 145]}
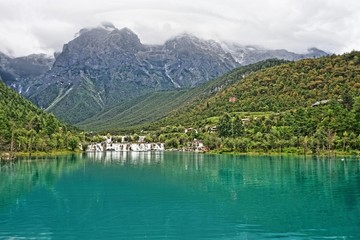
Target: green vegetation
{"type": "Point", "coordinates": [304, 130]}
{"type": "Point", "coordinates": [138, 113]}
{"type": "Point", "coordinates": [309, 106]}
{"type": "Point", "coordinates": [144, 109]}
{"type": "Point", "coordinates": [280, 88]}
{"type": "Point", "coordinates": [24, 127]}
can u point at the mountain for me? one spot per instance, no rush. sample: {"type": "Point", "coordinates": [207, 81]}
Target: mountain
{"type": "Point", "coordinates": [105, 67]}
{"type": "Point", "coordinates": [22, 73]}
{"type": "Point", "coordinates": [286, 87]}
{"type": "Point", "coordinates": [144, 110]}
{"type": "Point", "coordinates": [251, 54]}
{"type": "Point", "coordinates": [25, 127]}
{"type": "Point", "coordinates": [192, 61]}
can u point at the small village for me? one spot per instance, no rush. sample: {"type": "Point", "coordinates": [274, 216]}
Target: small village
{"type": "Point", "coordinates": [139, 146]}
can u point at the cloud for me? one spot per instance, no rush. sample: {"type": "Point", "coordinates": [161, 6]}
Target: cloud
{"type": "Point", "coordinates": [44, 26]}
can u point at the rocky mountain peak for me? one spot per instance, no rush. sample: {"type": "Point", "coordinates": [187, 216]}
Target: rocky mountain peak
{"type": "Point", "coordinates": [186, 37]}
{"type": "Point", "coordinates": [126, 39]}
{"type": "Point", "coordinates": [4, 59]}
{"type": "Point", "coordinates": [108, 25]}
{"type": "Point", "coordinates": [99, 47]}
{"type": "Point", "coordinates": [316, 52]}
{"type": "Point", "coordinates": [106, 33]}
{"type": "Point", "coordinates": [192, 45]}
{"type": "Point", "coordinates": [184, 40]}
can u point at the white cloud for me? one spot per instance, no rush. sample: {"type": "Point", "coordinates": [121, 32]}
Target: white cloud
{"type": "Point", "coordinates": [44, 25]}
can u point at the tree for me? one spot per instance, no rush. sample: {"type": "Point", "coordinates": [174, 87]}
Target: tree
{"type": "Point", "coordinates": [345, 137]}
{"type": "Point", "coordinates": [237, 127]}
{"type": "Point", "coordinates": [172, 143]}
{"type": "Point", "coordinates": [353, 141]}
{"type": "Point", "coordinates": [356, 111]}
{"type": "Point", "coordinates": [182, 138]}
{"type": "Point", "coordinates": [40, 143]}
{"type": "Point", "coordinates": [229, 144]}
{"type": "Point", "coordinates": [330, 137]}
{"type": "Point", "coordinates": [320, 138]}
{"type": "Point", "coordinates": [73, 143]}
{"type": "Point", "coordinates": [347, 99]}
{"type": "Point", "coordinates": [242, 144]}
{"type": "Point", "coordinates": [225, 126]}
{"type": "Point", "coordinates": [135, 138]}
{"type": "Point", "coordinates": [51, 124]}
{"type": "Point", "coordinates": [31, 135]}
{"type": "Point", "coordinates": [148, 139]}
{"type": "Point", "coordinates": [304, 141]}
{"type": "Point", "coordinates": [211, 141]}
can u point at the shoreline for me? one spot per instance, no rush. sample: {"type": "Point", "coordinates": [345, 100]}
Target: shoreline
{"type": "Point", "coordinates": [271, 153]}
{"type": "Point", "coordinates": [39, 154]}
{"type": "Point", "coordinates": [220, 152]}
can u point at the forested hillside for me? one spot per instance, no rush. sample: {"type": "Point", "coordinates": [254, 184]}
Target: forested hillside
{"type": "Point", "coordinates": [24, 127]}
{"type": "Point", "coordinates": [312, 104]}
{"type": "Point", "coordinates": [297, 84]}
{"type": "Point", "coordinates": [284, 87]}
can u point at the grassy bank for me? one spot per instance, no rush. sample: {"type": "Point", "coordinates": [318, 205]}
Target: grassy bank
{"type": "Point", "coordinates": [289, 152]}
{"type": "Point", "coordinates": [42, 154]}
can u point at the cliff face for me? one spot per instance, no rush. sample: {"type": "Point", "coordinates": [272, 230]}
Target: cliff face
{"type": "Point", "coordinates": [23, 72]}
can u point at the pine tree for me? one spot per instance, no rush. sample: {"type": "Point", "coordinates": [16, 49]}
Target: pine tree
{"type": "Point", "coordinates": [237, 127]}
{"type": "Point", "coordinates": [225, 128]}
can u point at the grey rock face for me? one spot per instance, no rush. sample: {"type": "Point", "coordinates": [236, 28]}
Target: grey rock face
{"type": "Point", "coordinates": [192, 61]}
{"type": "Point", "coordinates": [23, 72]}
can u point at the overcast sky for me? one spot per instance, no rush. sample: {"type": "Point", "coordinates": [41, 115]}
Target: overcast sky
{"type": "Point", "coordinates": [43, 26]}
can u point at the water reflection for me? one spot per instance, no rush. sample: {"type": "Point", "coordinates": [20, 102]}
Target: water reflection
{"type": "Point", "coordinates": [308, 192]}
{"type": "Point", "coordinates": [130, 157]}
{"type": "Point", "coordinates": [27, 174]}
{"type": "Point", "coordinates": [171, 195]}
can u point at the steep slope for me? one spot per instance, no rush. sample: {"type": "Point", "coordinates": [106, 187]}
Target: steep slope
{"type": "Point", "coordinates": [194, 61]}
{"type": "Point", "coordinates": [280, 88]}
{"type": "Point", "coordinates": [153, 106]}
{"type": "Point", "coordinates": [25, 127]}
{"type": "Point", "coordinates": [22, 73]}
{"type": "Point", "coordinates": [106, 66]}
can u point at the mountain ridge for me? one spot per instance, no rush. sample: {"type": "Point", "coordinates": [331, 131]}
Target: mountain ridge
{"type": "Point", "coordinates": [105, 66]}
{"type": "Point", "coordinates": [22, 72]}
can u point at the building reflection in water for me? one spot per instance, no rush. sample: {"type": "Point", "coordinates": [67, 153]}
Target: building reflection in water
{"type": "Point", "coordinates": [130, 157]}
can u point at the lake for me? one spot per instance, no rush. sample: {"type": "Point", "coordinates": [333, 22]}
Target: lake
{"type": "Point", "coordinates": [171, 195]}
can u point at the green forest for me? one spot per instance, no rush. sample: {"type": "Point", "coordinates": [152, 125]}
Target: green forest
{"type": "Point", "coordinates": [26, 128]}
{"type": "Point", "coordinates": [310, 106]}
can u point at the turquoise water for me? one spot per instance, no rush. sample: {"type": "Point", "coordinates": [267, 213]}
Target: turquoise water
{"type": "Point", "coordinates": [180, 196]}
